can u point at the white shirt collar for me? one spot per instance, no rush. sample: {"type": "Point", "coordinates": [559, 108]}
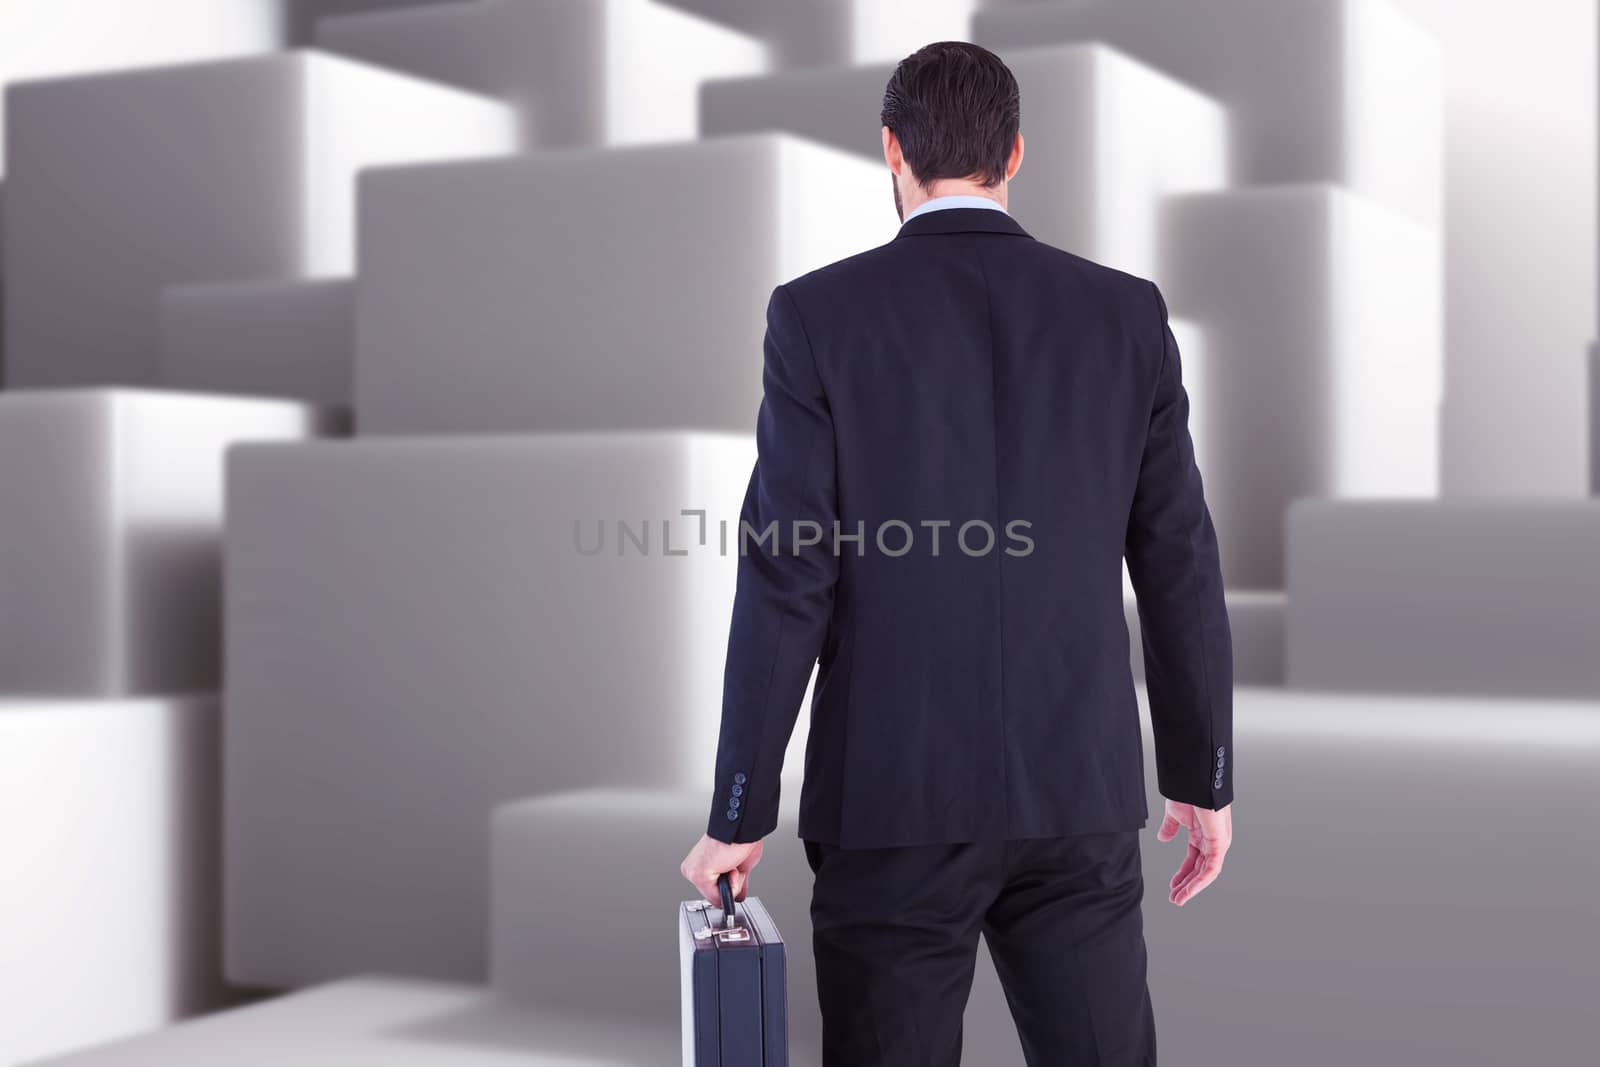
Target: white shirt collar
{"type": "Point", "coordinates": [940, 203]}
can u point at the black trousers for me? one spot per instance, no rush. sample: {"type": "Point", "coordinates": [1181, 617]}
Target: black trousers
{"type": "Point", "coordinates": [895, 932]}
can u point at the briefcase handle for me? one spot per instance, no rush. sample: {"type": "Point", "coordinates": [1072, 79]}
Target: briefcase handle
{"type": "Point", "coordinates": [725, 889]}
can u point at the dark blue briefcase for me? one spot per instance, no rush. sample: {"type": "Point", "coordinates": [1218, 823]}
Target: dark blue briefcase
{"type": "Point", "coordinates": [735, 1000]}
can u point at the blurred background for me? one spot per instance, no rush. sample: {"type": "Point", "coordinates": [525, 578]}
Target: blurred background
{"type": "Point", "coordinates": [325, 324]}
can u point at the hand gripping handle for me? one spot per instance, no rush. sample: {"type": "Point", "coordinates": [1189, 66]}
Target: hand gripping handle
{"type": "Point", "coordinates": [725, 888]}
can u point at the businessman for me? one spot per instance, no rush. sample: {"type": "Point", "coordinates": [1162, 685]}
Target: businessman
{"type": "Point", "coordinates": [963, 434]}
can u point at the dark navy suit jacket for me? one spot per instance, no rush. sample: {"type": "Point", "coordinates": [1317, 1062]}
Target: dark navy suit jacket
{"type": "Point", "coordinates": [966, 377]}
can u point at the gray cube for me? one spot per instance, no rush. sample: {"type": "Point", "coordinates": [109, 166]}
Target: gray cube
{"type": "Point", "coordinates": [389, 1022]}
{"type": "Point", "coordinates": [1286, 936]}
{"type": "Point", "coordinates": [1344, 91]}
{"type": "Point", "coordinates": [290, 339]}
{"type": "Point", "coordinates": [1385, 948]}
{"type": "Point", "coordinates": [47, 40]}
{"type": "Point", "coordinates": [414, 636]}
{"type": "Point", "coordinates": [1594, 419]}
{"type": "Point", "coordinates": [301, 17]}
{"type": "Point", "coordinates": [540, 960]}
{"type": "Point", "coordinates": [588, 73]}
{"type": "Point", "coordinates": [1107, 138]}
{"type": "Point", "coordinates": [109, 562]}
{"type": "Point", "coordinates": [121, 184]}
{"type": "Point", "coordinates": [1476, 596]}
{"type": "Point", "coordinates": [2, 281]}
{"type": "Point", "coordinates": [827, 33]}
{"type": "Point", "coordinates": [593, 289]}
{"type": "Point", "coordinates": [1322, 317]}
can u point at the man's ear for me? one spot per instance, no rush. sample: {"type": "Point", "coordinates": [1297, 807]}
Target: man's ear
{"type": "Point", "coordinates": [1015, 162]}
{"type": "Point", "coordinates": [891, 152]}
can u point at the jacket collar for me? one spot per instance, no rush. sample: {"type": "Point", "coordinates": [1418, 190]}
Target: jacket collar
{"type": "Point", "coordinates": [962, 220]}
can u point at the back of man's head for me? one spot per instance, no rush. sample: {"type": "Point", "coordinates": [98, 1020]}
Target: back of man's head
{"type": "Point", "coordinates": [956, 110]}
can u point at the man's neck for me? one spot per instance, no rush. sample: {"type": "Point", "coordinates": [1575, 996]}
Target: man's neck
{"type": "Point", "coordinates": [955, 187]}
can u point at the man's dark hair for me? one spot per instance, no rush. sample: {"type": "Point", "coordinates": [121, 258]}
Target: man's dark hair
{"type": "Point", "coordinates": [956, 110]}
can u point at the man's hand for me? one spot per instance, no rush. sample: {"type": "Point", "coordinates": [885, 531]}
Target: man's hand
{"type": "Point", "coordinates": [711, 857]}
{"type": "Point", "coordinates": [1210, 833]}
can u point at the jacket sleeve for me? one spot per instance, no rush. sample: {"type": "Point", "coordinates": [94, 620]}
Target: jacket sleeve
{"type": "Point", "coordinates": [784, 594]}
{"type": "Point", "coordinates": [1171, 549]}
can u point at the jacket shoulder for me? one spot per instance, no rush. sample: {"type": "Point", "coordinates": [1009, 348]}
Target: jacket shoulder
{"type": "Point", "coordinates": [849, 271]}
{"type": "Point", "coordinates": [1114, 288]}
{"type": "Point", "coordinates": [1106, 286]}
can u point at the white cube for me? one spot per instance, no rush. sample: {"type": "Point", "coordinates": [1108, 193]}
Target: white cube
{"type": "Point", "coordinates": [108, 908]}
{"type": "Point", "coordinates": [109, 569]}
{"type": "Point", "coordinates": [121, 184]}
{"type": "Point", "coordinates": [1446, 596]}
{"type": "Point", "coordinates": [1107, 137]}
{"type": "Point", "coordinates": [290, 339]}
{"type": "Point", "coordinates": [606, 72]}
{"type": "Point", "coordinates": [416, 633]}
{"type": "Point", "coordinates": [648, 318]}
{"type": "Point", "coordinates": [1346, 91]}
{"type": "Point", "coordinates": [1322, 314]}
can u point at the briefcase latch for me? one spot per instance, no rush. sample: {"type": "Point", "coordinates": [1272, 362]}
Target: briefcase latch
{"type": "Point", "coordinates": [721, 933]}
{"type": "Point", "coordinates": [724, 933]}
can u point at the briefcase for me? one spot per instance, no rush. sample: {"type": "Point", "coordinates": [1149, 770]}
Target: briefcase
{"type": "Point", "coordinates": [735, 1000]}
